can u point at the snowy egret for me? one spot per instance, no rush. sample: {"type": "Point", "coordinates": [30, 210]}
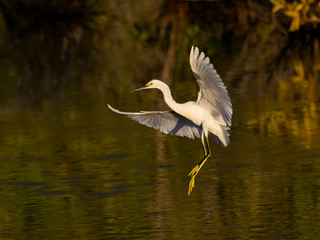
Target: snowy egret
{"type": "Point", "coordinates": [211, 113]}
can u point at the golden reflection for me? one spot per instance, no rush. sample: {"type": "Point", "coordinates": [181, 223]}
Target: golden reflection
{"type": "Point", "coordinates": [295, 112]}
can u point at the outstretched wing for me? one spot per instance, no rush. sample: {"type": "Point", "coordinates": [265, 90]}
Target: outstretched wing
{"type": "Point", "coordinates": [168, 122]}
{"type": "Point", "coordinates": [213, 93]}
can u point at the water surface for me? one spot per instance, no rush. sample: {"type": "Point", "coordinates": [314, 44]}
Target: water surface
{"type": "Point", "coordinates": [92, 174]}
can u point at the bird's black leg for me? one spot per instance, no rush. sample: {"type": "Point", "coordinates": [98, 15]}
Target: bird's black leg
{"type": "Point", "coordinates": [206, 156]}
{"type": "Point", "coordinates": [196, 169]}
{"type": "Point", "coordinates": [204, 146]}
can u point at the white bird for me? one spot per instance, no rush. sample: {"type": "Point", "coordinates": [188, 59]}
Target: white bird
{"type": "Point", "coordinates": [210, 114]}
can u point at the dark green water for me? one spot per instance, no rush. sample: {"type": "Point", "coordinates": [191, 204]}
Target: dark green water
{"type": "Point", "coordinates": [84, 172]}
{"type": "Point", "coordinates": [72, 169]}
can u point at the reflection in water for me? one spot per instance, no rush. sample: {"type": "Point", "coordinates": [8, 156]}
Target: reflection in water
{"type": "Point", "coordinates": [79, 176]}
{"type": "Point", "coordinates": [71, 169]}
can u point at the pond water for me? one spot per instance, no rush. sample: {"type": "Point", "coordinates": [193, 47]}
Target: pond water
{"type": "Point", "coordinates": [85, 172]}
{"type": "Point", "coordinates": [73, 169]}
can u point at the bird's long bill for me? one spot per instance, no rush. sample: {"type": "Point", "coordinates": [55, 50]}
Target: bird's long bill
{"type": "Point", "coordinates": [138, 89]}
{"type": "Point", "coordinates": [144, 87]}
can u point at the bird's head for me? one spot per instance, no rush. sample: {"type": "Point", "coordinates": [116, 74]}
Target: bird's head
{"type": "Point", "coordinates": [151, 84]}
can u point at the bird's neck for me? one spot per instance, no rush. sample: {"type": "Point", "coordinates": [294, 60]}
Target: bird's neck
{"type": "Point", "coordinates": [168, 97]}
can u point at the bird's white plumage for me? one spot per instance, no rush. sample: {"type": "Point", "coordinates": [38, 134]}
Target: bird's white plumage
{"type": "Point", "coordinates": [213, 95]}
{"type": "Point", "coordinates": [211, 113]}
{"type": "Point", "coordinates": [168, 122]}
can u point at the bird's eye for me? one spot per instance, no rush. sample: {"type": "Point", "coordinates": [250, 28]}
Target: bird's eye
{"type": "Point", "coordinates": [149, 84]}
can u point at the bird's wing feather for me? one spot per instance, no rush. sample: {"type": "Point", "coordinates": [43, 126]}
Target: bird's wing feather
{"type": "Point", "coordinates": [168, 122]}
{"type": "Point", "coordinates": [213, 94]}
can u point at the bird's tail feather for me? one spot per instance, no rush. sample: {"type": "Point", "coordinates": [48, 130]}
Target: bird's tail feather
{"type": "Point", "coordinates": [223, 136]}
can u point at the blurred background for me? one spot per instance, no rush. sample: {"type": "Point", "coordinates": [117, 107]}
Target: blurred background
{"type": "Point", "coordinates": [71, 168]}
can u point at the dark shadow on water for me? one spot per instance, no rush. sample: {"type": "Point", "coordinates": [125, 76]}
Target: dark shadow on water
{"type": "Point", "coordinates": [104, 195]}
{"type": "Point", "coordinates": [117, 156]}
{"type": "Point", "coordinates": [56, 192]}
{"type": "Point", "coordinates": [166, 166]}
{"type": "Point", "coordinates": [24, 183]}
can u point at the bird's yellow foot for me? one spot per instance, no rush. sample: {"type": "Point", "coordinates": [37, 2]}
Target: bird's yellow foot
{"type": "Point", "coordinates": [194, 171]}
{"type": "Point", "coordinates": [193, 175]}
{"type": "Point", "coordinates": [191, 185]}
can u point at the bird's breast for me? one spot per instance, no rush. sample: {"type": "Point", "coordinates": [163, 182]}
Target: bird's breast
{"type": "Point", "coordinates": [193, 112]}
